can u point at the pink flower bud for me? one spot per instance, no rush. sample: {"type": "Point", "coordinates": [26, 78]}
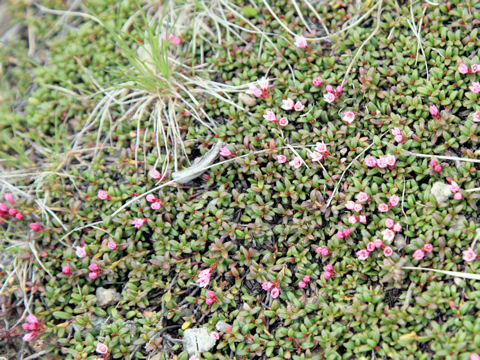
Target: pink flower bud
{"type": "Point", "coordinates": [19, 216]}
{"type": "Point", "coordinates": [9, 197]}
{"type": "Point", "coordinates": [302, 284]}
{"type": "Point", "coordinates": [458, 196]}
{"type": "Point", "coordinates": [346, 232]}
{"type": "Point", "coordinates": [433, 110]}
{"type": "Point", "coordinates": [267, 285]}
{"type": "Point", "coordinates": [399, 138]}
{"type": "Point", "coordinates": [210, 301]}
{"type": "Point", "coordinates": [66, 270]}
{"type": "Point", "coordinates": [340, 235]}
{"type": "Point", "coordinates": [275, 292]}
{"type": "Point", "coordinates": [94, 267]}
{"type": "Point", "coordinates": [438, 168]}
{"type": "Point", "coordinates": [93, 275]}
{"type": "Point", "coordinates": [12, 212]}
{"type": "Point", "coordinates": [306, 278]}
{"type": "Point", "coordinates": [378, 243]}
{"type": "Point", "coordinates": [151, 198]}
{"type": "Point", "coordinates": [330, 89]}
{"type": "Point", "coordinates": [339, 89]}
{"type": "Point", "coordinates": [397, 227]}
{"type": "Point", "coordinates": [3, 207]}
{"type": "Point", "coordinates": [35, 227]}
{"type": "Point", "coordinates": [329, 268]}
{"type": "Point", "coordinates": [155, 174]}
{"type": "Point", "coordinates": [433, 163]}
{"type": "Point", "coordinates": [211, 294]}
{"type": "Point", "coordinates": [327, 274]}
{"type": "Point", "coordinates": [112, 245]}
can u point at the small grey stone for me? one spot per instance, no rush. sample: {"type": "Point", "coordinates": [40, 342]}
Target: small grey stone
{"type": "Point", "coordinates": [107, 297]}
{"type": "Point", "coordinates": [197, 340]}
{"type": "Point", "coordinates": [441, 192]}
{"type": "Point", "coordinates": [247, 100]}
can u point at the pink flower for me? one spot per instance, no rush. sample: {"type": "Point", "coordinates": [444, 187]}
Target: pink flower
{"type": "Point", "coordinates": [433, 110]}
{"type": "Point", "coordinates": [340, 235]}
{"type": "Point", "coordinates": [363, 254]}
{"type": "Point", "coordinates": [210, 301]}
{"type": "Point", "coordinates": [394, 200]}
{"type": "Point", "coordinates": [437, 168]}
{"type": "Point", "coordinates": [32, 319]}
{"type": "Point", "coordinates": [462, 68]}
{"type": "Point", "coordinates": [387, 251]}
{"type": "Point", "coordinates": [399, 138]}
{"type": "Point", "coordinates": [267, 285]}
{"type": "Point", "coordinates": [433, 163]}
{"type": "Point", "coordinates": [9, 197]}
{"type": "Point", "coordinates": [321, 147]}
{"type": "Point", "coordinates": [302, 284]}
{"type": "Point", "coordinates": [81, 252]}
{"type": "Point", "coordinates": [389, 223]}
{"type": "Point", "coordinates": [352, 220]}
{"type": "Point", "coordinates": [211, 294]}
{"type": "Point", "coordinates": [327, 274]}
{"type": "Point", "coordinates": [469, 255]}
{"type": "Point", "coordinates": [370, 161]}
{"type": "Point", "coordinates": [204, 277]}
{"type": "Point", "coordinates": [301, 42]}
{"type": "Point", "coordinates": [296, 162]}
{"type": "Point", "coordinates": [215, 335]}
{"type": "Point", "coordinates": [225, 152]}
{"type": "Point", "coordinates": [346, 232]}
{"type": "Point", "coordinates": [35, 227]}
{"type": "Point", "coordinates": [112, 245]}
{"type": "Point", "coordinates": [155, 174]}
{"type": "Point", "coordinates": [139, 222]}
{"type": "Point", "coordinates": [329, 268]}
{"type": "Point", "coordinates": [270, 115]}
{"type": "Point", "coordinates": [475, 68]}
{"type": "Point", "coordinates": [418, 254]}
{"type": "Point", "coordinates": [156, 205]}
{"type": "Point", "coordinates": [329, 97]}
{"type": "Point", "coordinates": [323, 251]}
{"type": "Point", "coordinates": [348, 116]}
{"type": "Point", "coordinates": [151, 198]}
{"type": "Point", "coordinates": [362, 219]}
{"type": "Point", "coordinates": [330, 89]}
{"type": "Point", "coordinates": [66, 270]}
{"type": "Point", "coordinates": [358, 207]}
{"type": "Point", "coordinates": [29, 327]}
{"type": "Point", "coordinates": [382, 162]}
{"type": "Point", "coordinates": [299, 106]}
{"type": "Point", "coordinates": [474, 357]}
{"type": "Point", "coordinates": [263, 82]}
{"type": "Point", "coordinates": [390, 159]}
{"type": "Point", "coordinates": [371, 246]}
{"type": "Point", "coordinates": [388, 235]}
{"type": "Point", "coordinates": [306, 278]}
{"type": "Point", "coordinates": [3, 207]}
{"type": "Point", "coordinates": [378, 243]}
{"type": "Point", "coordinates": [288, 104]}
{"type": "Point", "coordinates": [30, 336]}
{"type": "Point", "coordinates": [101, 348]}
{"type": "Point", "coordinates": [93, 275]}
{"type": "Point", "coordinates": [454, 187]}
{"type": "Point", "coordinates": [396, 131]}
{"type": "Point", "coordinates": [350, 205]}
{"type": "Point", "coordinates": [339, 89]}
{"type": "Point", "coordinates": [458, 196]}
{"type": "Point", "coordinates": [281, 159]}
{"type": "Point", "coordinates": [362, 196]}
{"type": "Point", "coordinates": [12, 212]}
{"type": "Point", "coordinates": [255, 91]}
{"type": "Point", "coordinates": [476, 116]}
{"type": "Point", "coordinates": [317, 81]}
{"type": "Point", "coordinates": [275, 292]}
{"type": "Point", "coordinates": [383, 208]}
{"type": "Point", "coordinates": [94, 267]}
{"type": "Point", "coordinates": [317, 156]}
{"type": "Point", "coordinates": [283, 121]}
{"type": "Point", "coordinates": [397, 227]}
{"type": "Point", "coordinates": [103, 195]}
{"type": "Point", "coordinates": [428, 247]}
{"type": "Point", "coordinates": [475, 87]}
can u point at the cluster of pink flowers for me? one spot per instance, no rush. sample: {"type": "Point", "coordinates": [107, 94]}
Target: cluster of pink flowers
{"type": "Point", "coordinates": [353, 219]}
{"type": "Point", "coordinates": [464, 69]}
{"type": "Point", "coordinates": [328, 271]}
{"type": "Point", "coordinates": [211, 297]}
{"type": "Point", "coordinates": [435, 165]}
{"type": "Point", "coordinates": [288, 104]}
{"type": "Point", "coordinates": [321, 152]}
{"type": "Point", "coordinates": [382, 162]}
{"type": "Point", "coordinates": [303, 283]}
{"type": "Point", "coordinates": [371, 246]}
{"type": "Point", "coordinates": [139, 222]}
{"type": "Point", "coordinates": [155, 174]}
{"type": "Point", "coordinates": [261, 91]}
{"type": "Point", "coordinates": [476, 116]}
{"type": "Point", "coordinates": [475, 87]}
{"type": "Point", "coordinates": [102, 349]}
{"type": "Point", "coordinates": [420, 253]}
{"type": "Point", "coordinates": [6, 212]}
{"type": "Point", "coordinates": [95, 270]}
{"type": "Point", "coordinates": [455, 189]}
{"type": "Point", "coordinates": [343, 233]}
{"type": "Point", "coordinates": [81, 252]}
{"type": "Point", "coordinates": [33, 325]}
{"type": "Point", "coordinates": [204, 277]}
{"type": "Point", "coordinates": [273, 287]}
{"type": "Point", "coordinates": [434, 111]}
{"type": "Point", "coordinates": [357, 207]}
{"type": "Point", "coordinates": [155, 202]}
{"type": "Point", "coordinates": [348, 117]}
{"type": "Point", "coordinates": [333, 94]}
{"type": "Point", "coordinates": [397, 135]}
{"type": "Point", "coordinates": [392, 202]}
{"type": "Point", "coordinates": [103, 195]}
{"type": "Point", "coordinates": [301, 43]}
{"type": "Point", "coordinates": [322, 251]}
{"type": "Point", "coordinates": [469, 255]}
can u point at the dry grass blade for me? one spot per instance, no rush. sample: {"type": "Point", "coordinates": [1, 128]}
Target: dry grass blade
{"type": "Point", "coordinates": [446, 272]}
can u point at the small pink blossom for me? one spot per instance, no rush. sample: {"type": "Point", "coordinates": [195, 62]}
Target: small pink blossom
{"type": "Point", "coordinates": [267, 285]}
{"type": "Point", "coordinates": [211, 294]}
{"type": "Point", "coordinates": [339, 89]}
{"type": "Point", "coordinates": [350, 205]}
{"type": "Point", "coordinates": [390, 159]}
{"type": "Point", "coordinates": [32, 319]}
{"type": "Point", "coordinates": [378, 243]}
{"type": "Point", "coordinates": [299, 106]}
{"type": "Point", "coordinates": [255, 91]}
{"type": "Point", "coordinates": [35, 227]}
{"type": "Point", "coordinates": [329, 97]}
{"type": "Point", "coordinates": [346, 232]}
{"type": "Point", "coordinates": [437, 168]}
{"type": "Point", "coordinates": [321, 147]}
{"type": "Point", "coordinates": [282, 159]}
{"type": "Point", "coordinates": [388, 235]}
{"type": "Point", "coordinates": [394, 200]}
{"type": "Point", "coordinates": [215, 335]}
{"type": "Point", "coordinates": [462, 68]}
{"type": "Point", "coordinates": [330, 89]}
{"type": "Point", "coordinates": [93, 275]}
{"type": "Point", "coordinates": [270, 115]}
{"type": "Point", "coordinates": [428, 248]}
{"type": "Point", "coordinates": [433, 163]}
{"type": "Point", "coordinates": [155, 174]}
{"type": "Point", "coordinates": [263, 82]}
{"type": "Point", "coordinates": [382, 162]}
{"type": "Point", "coordinates": [399, 138]}
{"type": "Point", "coordinates": [474, 68]}
{"type": "Point", "coordinates": [275, 292]}
{"type": "Point", "coordinates": [12, 211]}
{"type": "Point", "coordinates": [288, 104]}
{"type": "Point", "coordinates": [302, 284]}
{"type": "Point", "coordinates": [301, 42]}
{"type": "Point", "coordinates": [210, 301]}
{"type": "Point", "coordinates": [397, 227]}
{"type": "Point", "coordinates": [151, 198]}
{"type": "Point", "coordinates": [418, 254]}
{"type": "Point", "coordinates": [476, 116]}
{"type": "Point", "coordinates": [363, 254]}
{"type": "Point", "coordinates": [389, 223]}
{"type": "Point", "coordinates": [340, 235]}
{"type": "Point", "coordinates": [204, 277]}
{"type": "Point", "coordinates": [358, 207]}
{"type": "Point", "coordinates": [94, 267]}
{"type": "Point", "coordinates": [66, 270]}
{"type": "Point", "coordinates": [29, 327]}
{"type": "Point", "coordinates": [103, 195]}
{"type": "Point", "coordinates": [323, 251]}
{"type": "Point", "coordinates": [396, 131]}
{"type": "Point", "coordinates": [306, 278]}
{"type": "Point", "coordinates": [352, 220]}
{"type": "Point", "coordinates": [433, 110]}
{"type": "Point", "coordinates": [297, 162]}
{"type": "Point", "coordinates": [9, 197]}
{"type": "Point", "coordinates": [327, 274]}
{"type": "Point", "coordinates": [348, 116]}
{"type": "Point", "coordinates": [475, 87]}
{"type": "Point", "coordinates": [329, 267]}
{"type": "Point", "coordinates": [387, 251]}
{"type": "Point", "coordinates": [454, 187]}
{"type": "Point", "coordinates": [29, 336]}
{"type": "Point", "coordinates": [81, 252]}
{"type": "Point", "coordinates": [370, 161]}
{"type": "Point", "coordinates": [317, 81]}
{"type": "Point", "coordinates": [283, 121]}
{"type": "Point", "coordinates": [156, 205]}
{"type": "Point", "coordinates": [362, 219]}
{"type": "Point", "coordinates": [225, 152]}
{"type": "Point", "coordinates": [112, 245]}
{"type": "Point", "coordinates": [101, 349]}
{"type": "Point", "coordinates": [458, 196]}
{"type": "Point", "coordinates": [139, 222]}
{"type": "Point", "coordinates": [3, 207]}
{"type": "Point", "coordinates": [362, 196]}
{"type": "Point", "coordinates": [469, 255]}
{"type": "Point", "coordinates": [383, 208]}
{"type": "Point", "coordinates": [371, 246]}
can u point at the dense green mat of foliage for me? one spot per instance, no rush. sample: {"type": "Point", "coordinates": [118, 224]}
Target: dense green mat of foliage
{"type": "Point", "coordinates": [355, 165]}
